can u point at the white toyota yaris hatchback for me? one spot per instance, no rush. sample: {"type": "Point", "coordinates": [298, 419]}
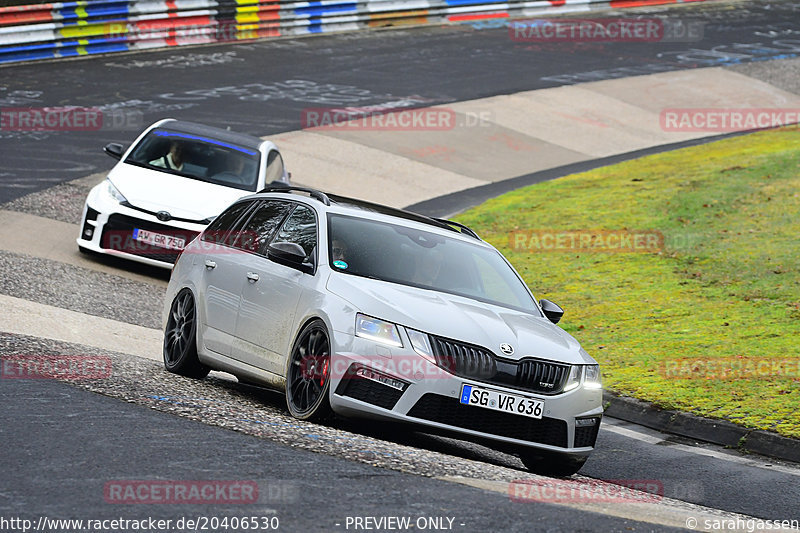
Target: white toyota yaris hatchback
{"type": "Point", "coordinates": [363, 310]}
{"type": "Point", "coordinates": [168, 185]}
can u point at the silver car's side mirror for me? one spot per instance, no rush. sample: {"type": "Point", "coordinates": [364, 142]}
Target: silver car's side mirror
{"type": "Point", "coordinates": [551, 311]}
{"type": "Point", "coordinates": [289, 254]}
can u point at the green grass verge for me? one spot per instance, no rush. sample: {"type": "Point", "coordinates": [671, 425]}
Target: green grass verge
{"type": "Point", "coordinates": [723, 290]}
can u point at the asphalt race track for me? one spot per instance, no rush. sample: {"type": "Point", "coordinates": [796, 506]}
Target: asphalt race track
{"type": "Point", "coordinates": [262, 88]}
{"type": "Point", "coordinates": [64, 443]}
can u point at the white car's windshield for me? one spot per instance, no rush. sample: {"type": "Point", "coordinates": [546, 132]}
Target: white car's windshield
{"type": "Point", "coordinates": [198, 157]}
{"type": "Point", "coordinates": [409, 256]}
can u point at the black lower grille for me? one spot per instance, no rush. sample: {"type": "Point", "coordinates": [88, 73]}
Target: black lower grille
{"type": "Point", "coordinates": [370, 392]}
{"type": "Point", "coordinates": [450, 411]}
{"type": "Point", "coordinates": [474, 362]}
{"type": "Point", "coordinates": [586, 435]}
{"type": "Point", "coordinates": [118, 235]}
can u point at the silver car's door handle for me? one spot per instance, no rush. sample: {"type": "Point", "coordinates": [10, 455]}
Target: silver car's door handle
{"type": "Point", "coordinates": [210, 264]}
{"type": "Point", "coordinates": [252, 277]}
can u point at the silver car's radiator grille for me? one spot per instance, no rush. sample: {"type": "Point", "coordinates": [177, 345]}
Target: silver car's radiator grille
{"type": "Point", "coordinates": [463, 359]}
{"type": "Point", "coordinates": [541, 376]}
{"type": "Point", "coordinates": [474, 362]}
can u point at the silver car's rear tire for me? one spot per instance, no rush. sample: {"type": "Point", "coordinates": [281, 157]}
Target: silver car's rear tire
{"type": "Point", "coordinates": [551, 464]}
{"type": "Point", "coordinates": [308, 378]}
{"type": "Point", "coordinates": [180, 338]}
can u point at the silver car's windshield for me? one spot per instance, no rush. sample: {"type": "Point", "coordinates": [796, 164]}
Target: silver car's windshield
{"type": "Point", "coordinates": [409, 256]}
{"type": "Point", "coordinates": [198, 157]}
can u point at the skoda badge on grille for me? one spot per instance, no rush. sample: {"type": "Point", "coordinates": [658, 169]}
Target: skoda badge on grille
{"type": "Point", "coordinates": [506, 348]}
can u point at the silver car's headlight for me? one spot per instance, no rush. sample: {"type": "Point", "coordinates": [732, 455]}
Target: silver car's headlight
{"type": "Point", "coordinates": [590, 374]}
{"type": "Point", "coordinates": [377, 330]}
{"type": "Point", "coordinates": [421, 343]}
{"type": "Point", "coordinates": [113, 192]}
{"type": "Point", "coordinates": [591, 379]}
{"type": "Point", "coordinates": [574, 378]}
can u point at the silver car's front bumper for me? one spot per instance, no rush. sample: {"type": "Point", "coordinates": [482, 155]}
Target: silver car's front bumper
{"type": "Point", "coordinates": [406, 387]}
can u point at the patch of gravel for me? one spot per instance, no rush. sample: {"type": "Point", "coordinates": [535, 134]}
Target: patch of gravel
{"type": "Point", "coordinates": [254, 411]}
{"type": "Point", "coordinates": [79, 289]}
{"type": "Point", "coordinates": [63, 202]}
{"type": "Point", "coordinates": [782, 73]}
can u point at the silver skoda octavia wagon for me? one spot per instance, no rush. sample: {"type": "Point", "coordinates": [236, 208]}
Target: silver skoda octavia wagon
{"type": "Point", "coordinates": [363, 310]}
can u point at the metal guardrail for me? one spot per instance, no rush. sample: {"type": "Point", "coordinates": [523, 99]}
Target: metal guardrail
{"type": "Point", "coordinates": [85, 27]}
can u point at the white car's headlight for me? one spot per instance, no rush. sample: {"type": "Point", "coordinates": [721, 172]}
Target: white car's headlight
{"type": "Point", "coordinates": [377, 330]}
{"type": "Point", "coordinates": [591, 379]}
{"type": "Point", "coordinates": [113, 192]}
{"type": "Point", "coordinates": [421, 343]}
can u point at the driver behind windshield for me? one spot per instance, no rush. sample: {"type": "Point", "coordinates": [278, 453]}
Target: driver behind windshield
{"type": "Point", "coordinates": [172, 160]}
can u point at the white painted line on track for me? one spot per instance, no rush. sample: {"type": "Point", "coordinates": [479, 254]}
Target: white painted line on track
{"type": "Point", "coordinates": [652, 438]}
{"type": "Point", "coordinates": [630, 433]}
{"type": "Point", "coordinates": [54, 240]}
{"type": "Point", "coordinates": [658, 511]}
{"type": "Point", "coordinates": [45, 321]}
{"type": "Point", "coordinates": [746, 461]}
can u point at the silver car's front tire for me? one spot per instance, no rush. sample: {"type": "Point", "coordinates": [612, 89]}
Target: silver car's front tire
{"type": "Point", "coordinates": [308, 379]}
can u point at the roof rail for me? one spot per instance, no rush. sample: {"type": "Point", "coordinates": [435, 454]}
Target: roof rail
{"type": "Point", "coordinates": [464, 229]}
{"type": "Point", "coordinates": [410, 215]}
{"type": "Point", "coordinates": [277, 186]}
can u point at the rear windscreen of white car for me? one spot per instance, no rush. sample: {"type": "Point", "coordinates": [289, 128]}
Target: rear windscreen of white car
{"type": "Point", "coordinates": [409, 256]}
{"type": "Point", "coordinates": [198, 157]}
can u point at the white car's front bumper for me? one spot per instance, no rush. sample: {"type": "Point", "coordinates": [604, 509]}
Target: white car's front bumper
{"type": "Point", "coordinates": [107, 228]}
